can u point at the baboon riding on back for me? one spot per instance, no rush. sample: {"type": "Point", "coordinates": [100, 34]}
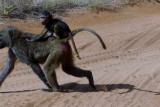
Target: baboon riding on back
{"type": "Point", "coordinates": [50, 53]}
{"type": "Point", "coordinates": [42, 49]}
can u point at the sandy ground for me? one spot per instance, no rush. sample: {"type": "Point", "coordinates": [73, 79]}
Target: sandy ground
{"type": "Point", "coordinates": [129, 68]}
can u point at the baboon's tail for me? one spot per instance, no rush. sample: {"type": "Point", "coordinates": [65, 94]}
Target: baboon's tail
{"type": "Point", "coordinates": [75, 31]}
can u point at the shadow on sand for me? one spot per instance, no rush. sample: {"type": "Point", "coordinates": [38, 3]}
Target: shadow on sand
{"type": "Point", "coordinates": [130, 88]}
{"type": "Point", "coordinates": [19, 91]}
{"type": "Point", "coordinates": [74, 87]}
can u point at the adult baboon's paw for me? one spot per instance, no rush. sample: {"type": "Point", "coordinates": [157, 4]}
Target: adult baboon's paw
{"type": "Point", "coordinates": [55, 90]}
{"type": "Point", "coordinates": [63, 90]}
{"type": "Point", "coordinates": [94, 88]}
{"type": "Point", "coordinates": [50, 90]}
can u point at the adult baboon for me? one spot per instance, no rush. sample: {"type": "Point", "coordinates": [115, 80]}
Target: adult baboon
{"type": "Point", "coordinates": [50, 53]}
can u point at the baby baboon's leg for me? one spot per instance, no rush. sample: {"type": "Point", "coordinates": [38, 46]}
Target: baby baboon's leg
{"type": "Point", "coordinates": [72, 70]}
{"type": "Point", "coordinates": [50, 65]}
{"type": "Point", "coordinates": [37, 69]}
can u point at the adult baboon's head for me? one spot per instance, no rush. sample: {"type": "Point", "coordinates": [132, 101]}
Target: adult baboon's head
{"type": "Point", "coordinates": [2, 43]}
{"type": "Point", "coordinates": [5, 38]}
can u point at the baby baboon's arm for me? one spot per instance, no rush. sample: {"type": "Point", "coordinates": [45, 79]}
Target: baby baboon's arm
{"type": "Point", "coordinates": [11, 58]}
{"type": "Point", "coordinates": [35, 37]}
{"type": "Point", "coordinates": [39, 36]}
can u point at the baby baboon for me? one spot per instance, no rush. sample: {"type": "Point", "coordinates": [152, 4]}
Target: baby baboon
{"type": "Point", "coordinates": [51, 53]}
{"type": "Point", "coordinates": [56, 26]}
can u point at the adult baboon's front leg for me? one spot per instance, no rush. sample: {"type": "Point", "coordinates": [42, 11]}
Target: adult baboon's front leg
{"type": "Point", "coordinates": [37, 69]}
{"type": "Point", "coordinates": [50, 65]}
{"type": "Point", "coordinates": [11, 58]}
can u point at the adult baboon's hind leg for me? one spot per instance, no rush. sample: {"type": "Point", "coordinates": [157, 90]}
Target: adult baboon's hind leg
{"type": "Point", "coordinates": [72, 70]}
{"type": "Point", "coordinates": [50, 65]}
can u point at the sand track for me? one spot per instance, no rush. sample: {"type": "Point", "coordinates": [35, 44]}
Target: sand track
{"type": "Point", "coordinates": [129, 68]}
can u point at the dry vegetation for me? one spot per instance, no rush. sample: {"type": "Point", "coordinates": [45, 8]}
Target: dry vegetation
{"type": "Point", "coordinates": [31, 8]}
